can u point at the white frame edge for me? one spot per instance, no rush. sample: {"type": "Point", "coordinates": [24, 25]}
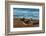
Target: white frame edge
{"type": "Point", "coordinates": [28, 28]}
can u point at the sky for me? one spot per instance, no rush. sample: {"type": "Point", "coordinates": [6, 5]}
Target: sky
{"type": "Point", "coordinates": [26, 13]}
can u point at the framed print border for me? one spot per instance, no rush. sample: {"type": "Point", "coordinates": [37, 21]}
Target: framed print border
{"type": "Point", "coordinates": [7, 17]}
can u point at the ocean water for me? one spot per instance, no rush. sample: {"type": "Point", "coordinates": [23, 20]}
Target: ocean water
{"type": "Point", "coordinates": [26, 13]}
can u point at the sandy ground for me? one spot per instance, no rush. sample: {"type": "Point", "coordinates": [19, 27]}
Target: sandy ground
{"type": "Point", "coordinates": [18, 22]}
